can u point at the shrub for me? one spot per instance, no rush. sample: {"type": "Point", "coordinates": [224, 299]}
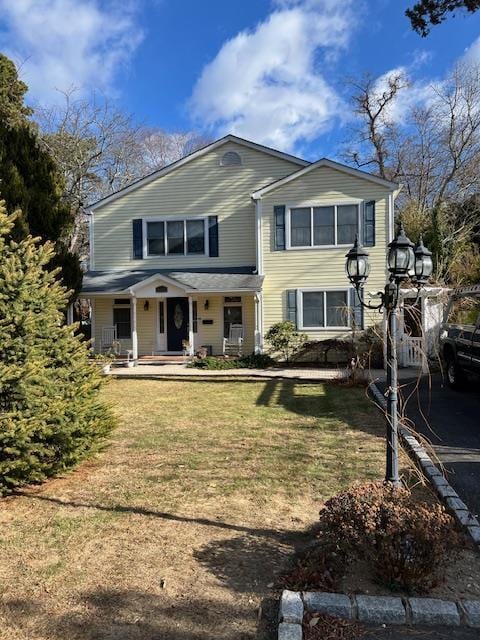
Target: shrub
{"type": "Point", "coordinates": [405, 541]}
{"type": "Point", "coordinates": [284, 338]}
{"type": "Point", "coordinates": [255, 361]}
{"type": "Point", "coordinates": [212, 363]}
{"type": "Point", "coordinates": [252, 361]}
{"type": "Point", "coordinates": [50, 413]}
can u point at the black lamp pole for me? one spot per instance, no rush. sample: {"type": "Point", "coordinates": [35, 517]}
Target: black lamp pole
{"type": "Point", "coordinates": [404, 261]}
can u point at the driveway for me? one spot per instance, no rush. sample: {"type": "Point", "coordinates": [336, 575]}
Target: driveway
{"type": "Point", "coordinates": [451, 422]}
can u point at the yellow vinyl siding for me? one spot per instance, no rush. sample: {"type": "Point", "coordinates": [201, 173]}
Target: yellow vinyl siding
{"type": "Point", "coordinates": [199, 188]}
{"type": "Point", "coordinates": [317, 267]}
{"type": "Point", "coordinates": [212, 334]}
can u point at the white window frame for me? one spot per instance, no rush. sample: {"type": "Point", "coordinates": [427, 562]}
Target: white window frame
{"type": "Point", "coordinates": [338, 203]}
{"type": "Point", "coordinates": [166, 219]}
{"type": "Point", "coordinates": [323, 290]}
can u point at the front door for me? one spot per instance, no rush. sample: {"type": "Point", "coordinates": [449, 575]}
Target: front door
{"type": "Point", "coordinates": [177, 323]}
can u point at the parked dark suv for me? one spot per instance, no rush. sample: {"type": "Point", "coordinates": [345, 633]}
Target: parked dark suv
{"type": "Point", "coordinates": [460, 336]}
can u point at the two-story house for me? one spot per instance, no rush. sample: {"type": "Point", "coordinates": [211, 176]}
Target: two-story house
{"type": "Point", "coordinates": [235, 233]}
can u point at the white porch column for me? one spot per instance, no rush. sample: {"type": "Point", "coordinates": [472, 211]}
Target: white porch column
{"type": "Point", "coordinates": [134, 328]}
{"type": "Point", "coordinates": [258, 323]}
{"type": "Point", "coordinates": [190, 326]}
{"type": "Point", "coordinates": [70, 313]}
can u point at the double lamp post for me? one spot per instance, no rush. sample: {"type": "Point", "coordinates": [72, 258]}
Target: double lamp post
{"type": "Point", "coordinates": [404, 261]}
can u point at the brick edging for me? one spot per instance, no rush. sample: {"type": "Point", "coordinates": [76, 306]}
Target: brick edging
{"type": "Point", "coordinates": [444, 490]}
{"type": "Point", "coordinates": [374, 610]}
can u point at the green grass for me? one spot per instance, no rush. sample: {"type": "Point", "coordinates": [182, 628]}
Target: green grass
{"type": "Point", "coordinates": [258, 437]}
{"type": "Point", "coordinates": [205, 484]}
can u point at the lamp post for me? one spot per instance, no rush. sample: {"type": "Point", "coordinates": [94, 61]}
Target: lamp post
{"type": "Point", "coordinates": [403, 261]}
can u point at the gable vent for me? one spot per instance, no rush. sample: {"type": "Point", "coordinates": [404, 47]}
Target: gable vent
{"type": "Point", "coordinates": [230, 159]}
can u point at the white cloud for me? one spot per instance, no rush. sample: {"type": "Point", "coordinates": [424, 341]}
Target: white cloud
{"type": "Point", "coordinates": [472, 54]}
{"type": "Point", "coordinates": [60, 43]}
{"type": "Point", "coordinates": [266, 84]}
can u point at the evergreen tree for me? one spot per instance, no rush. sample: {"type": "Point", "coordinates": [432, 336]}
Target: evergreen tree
{"type": "Point", "coordinates": [50, 412]}
{"type": "Point", "coordinates": [29, 178]}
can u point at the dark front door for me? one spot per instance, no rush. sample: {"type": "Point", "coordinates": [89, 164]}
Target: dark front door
{"type": "Point", "coordinates": [177, 323]}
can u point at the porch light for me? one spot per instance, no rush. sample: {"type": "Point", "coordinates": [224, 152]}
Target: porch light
{"type": "Point", "coordinates": [206, 304]}
{"type": "Point", "coordinates": [401, 259]}
{"type": "Point", "coordinates": [423, 262]}
{"type": "Point", "coordinates": [357, 265]}
{"type": "Point", "coordinates": [146, 305]}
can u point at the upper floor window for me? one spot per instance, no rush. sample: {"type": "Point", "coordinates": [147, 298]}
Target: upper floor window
{"type": "Point", "coordinates": [231, 159]}
{"type": "Point", "coordinates": [176, 237]}
{"type": "Point", "coordinates": [327, 226]}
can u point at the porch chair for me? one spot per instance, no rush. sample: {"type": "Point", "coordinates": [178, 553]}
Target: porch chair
{"type": "Point", "coordinates": [232, 346]}
{"type": "Point", "coordinates": [109, 340]}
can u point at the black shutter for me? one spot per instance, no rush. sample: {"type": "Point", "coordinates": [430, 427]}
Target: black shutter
{"type": "Point", "coordinates": [369, 224]}
{"type": "Point", "coordinates": [213, 236]}
{"type": "Point", "coordinates": [356, 309]}
{"type": "Point", "coordinates": [279, 213]}
{"type": "Point", "coordinates": [137, 231]}
{"type": "Point", "coordinates": [292, 306]}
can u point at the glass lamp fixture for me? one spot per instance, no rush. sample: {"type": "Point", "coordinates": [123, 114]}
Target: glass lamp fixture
{"type": "Point", "coordinates": [401, 259]}
{"type": "Point", "coordinates": [423, 262]}
{"type": "Point", "coordinates": [357, 265]}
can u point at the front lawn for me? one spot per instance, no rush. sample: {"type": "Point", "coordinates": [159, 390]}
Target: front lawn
{"type": "Point", "coordinates": [178, 527]}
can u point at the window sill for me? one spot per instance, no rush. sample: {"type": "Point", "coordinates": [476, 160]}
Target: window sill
{"type": "Point", "coordinates": [324, 328]}
{"type": "Point", "coordinates": [174, 255]}
{"type": "Point", "coordinates": [320, 246]}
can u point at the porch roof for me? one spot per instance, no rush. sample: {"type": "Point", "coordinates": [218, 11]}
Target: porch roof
{"type": "Point", "coordinates": [191, 280]}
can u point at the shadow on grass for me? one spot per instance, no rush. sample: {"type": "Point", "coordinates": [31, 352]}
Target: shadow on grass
{"type": "Point", "coordinates": [136, 615]}
{"type": "Point", "coordinates": [117, 508]}
{"type": "Point", "coordinates": [325, 401]}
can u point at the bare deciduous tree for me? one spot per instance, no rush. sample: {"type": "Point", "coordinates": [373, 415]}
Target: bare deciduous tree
{"type": "Point", "coordinates": [433, 150]}
{"type": "Point", "coordinates": [100, 150]}
{"type": "Point", "coordinates": [372, 102]}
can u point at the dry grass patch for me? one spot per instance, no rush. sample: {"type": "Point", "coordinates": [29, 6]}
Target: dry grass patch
{"type": "Point", "coordinates": [178, 526]}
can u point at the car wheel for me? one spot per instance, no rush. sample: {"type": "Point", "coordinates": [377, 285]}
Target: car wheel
{"type": "Point", "coordinates": [455, 376]}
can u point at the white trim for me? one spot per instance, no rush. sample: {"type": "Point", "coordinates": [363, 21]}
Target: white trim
{"type": "Point", "coordinates": [303, 290]}
{"type": "Point", "coordinates": [126, 292]}
{"type": "Point", "coordinates": [259, 237]}
{"type": "Point", "coordinates": [91, 241]}
{"type": "Point", "coordinates": [193, 156]}
{"type": "Point", "coordinates": [191, 336]}
{"type": "Point", "coordinates": [92, 322]}
{"type": "Point", "coordinates": [324, 162]}
{"type": "Point", "coordinates": [133, 311]}
{"type": "Point", "coordinates": [165, 219]}
{"type": "Point", "coordinates": [340, 203]}
{"type": "Point", "coordinates": [156, 276]}
{"type": "Point", "coordinates": [161, 337]}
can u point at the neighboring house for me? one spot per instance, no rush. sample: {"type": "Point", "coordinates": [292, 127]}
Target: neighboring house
{"type": "Point", "coordinates": [235, 233]}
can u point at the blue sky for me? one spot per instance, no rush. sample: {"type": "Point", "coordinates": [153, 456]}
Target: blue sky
{"type": "Point", "coordinates": [269, 70]}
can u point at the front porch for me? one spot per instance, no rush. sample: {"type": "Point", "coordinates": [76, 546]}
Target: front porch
{"type": "Point", "coordinates": [145, 314]}
{"type": "Point", "coordinates": [157, 326]}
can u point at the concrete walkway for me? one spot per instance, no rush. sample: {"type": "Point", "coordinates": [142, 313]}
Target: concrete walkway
{"type": "Point", "coordinates": [181, 370]}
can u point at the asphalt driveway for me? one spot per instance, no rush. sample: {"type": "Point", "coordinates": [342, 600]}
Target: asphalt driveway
{"type": "Point", "coordinates": [451, 422]}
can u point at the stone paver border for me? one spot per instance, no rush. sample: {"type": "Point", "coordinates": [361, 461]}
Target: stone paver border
{"type": "Point", "coordinates": [444, 490]}
{"type": "Point", "coordinates": [388, 610]}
